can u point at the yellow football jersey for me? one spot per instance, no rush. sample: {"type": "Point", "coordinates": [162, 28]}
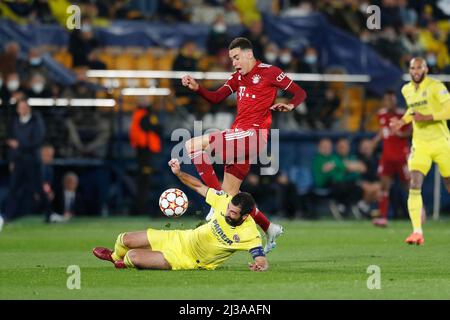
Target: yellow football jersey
{"type": "Point", "coordinates": [427, 99]}
{"type": "Point", "coordinates": [214, 242]}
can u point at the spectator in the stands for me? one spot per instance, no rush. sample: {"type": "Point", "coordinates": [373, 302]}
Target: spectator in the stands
{"type": "Point", "coordinates": [33, 64]}
{"type": "Point", "coordinates": [271, 53]}
{"type": "Point", "coordinates": [10, 58]}
{"type": "Point", "coordinates": [310, 64]}
{"type": "Point", "coordinates": [323, 164]}
{"type": "Point", "coordinates": [322, 114]}
{"type": "Point", "coordinates": [37, 87]}
{"type": "Point", "coordinates": [218, 38]}
{"type": "Point", "coordinates": [81, 43]}
{"type": "Point", "coordinates": [387, 44]}
{"type": "Point", "coordinates": [12, 85]}
{"type": "Point", "coordinates": [310, 61]}
{"type": "Point", "coordinates": [259, 40]}
{"type": "Point", "coordinates": [69, 201]}
{"type": "Point", "coordinates": [298, 8]}
{"type": "Point", "coordinates": [94, 62]}
{"type": "Point", "coordinates": [186, 60]}
{"type": "Point", "coordinates": [81, 88]}
{"type": "Point", "coordinates": [172, 11]}
{"type": "Point", "coordinates": [286, 60]}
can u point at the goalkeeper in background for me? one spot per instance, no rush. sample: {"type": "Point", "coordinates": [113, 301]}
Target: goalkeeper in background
{"type": "Point", "coordinates": [428, 102]}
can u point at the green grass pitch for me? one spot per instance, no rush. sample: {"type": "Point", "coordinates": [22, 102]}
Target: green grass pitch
{"type": "Point", "coordinates": [313, 260]}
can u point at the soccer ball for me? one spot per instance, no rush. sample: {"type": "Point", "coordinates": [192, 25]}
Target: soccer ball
{"type": "Point", "coordinates": [173, 202]}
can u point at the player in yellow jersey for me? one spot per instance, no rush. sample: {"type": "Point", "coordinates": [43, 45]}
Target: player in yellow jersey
{"type": "Point", "coordinates": [231, 229]}
{"type": "Point", "coordinates": [428, 102]}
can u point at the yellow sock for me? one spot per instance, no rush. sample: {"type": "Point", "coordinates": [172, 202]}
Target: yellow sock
{"type": "Point", "coordinates": [415, 209]}
{"type": "Point", "coordinates": [128, 262]}
{"type": "Point", "coordinates": [120, 250]}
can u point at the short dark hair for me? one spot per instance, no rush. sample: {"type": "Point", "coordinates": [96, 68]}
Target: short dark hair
{"type": "Point", "coordinates": [240, 42]}
{"type": "Point", "coordinates": [245, 201]}
{"type": "Point", "coordinates": [389, 92]}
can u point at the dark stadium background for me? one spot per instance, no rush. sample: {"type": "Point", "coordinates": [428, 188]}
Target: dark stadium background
{"type": "Point", "coordinates": [149, 35]}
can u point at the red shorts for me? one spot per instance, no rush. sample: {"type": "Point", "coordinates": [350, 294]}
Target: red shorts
{"type": "Point", "coordinates": [392, 168]}
{"type": "Point", "coordinates": [237, 149]}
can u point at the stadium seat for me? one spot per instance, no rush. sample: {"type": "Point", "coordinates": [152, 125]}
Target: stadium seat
{"type": "Point", "coordinates": [64, 58]}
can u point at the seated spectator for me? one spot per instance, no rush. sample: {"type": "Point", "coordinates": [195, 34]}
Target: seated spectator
{"type": "Point", "coordinates": [94, 62]}
{"type": "Point", "coordinates": [33, 64]}
{"type": "Point", "coordinates": [218, 38]}
{"type": "Point", "coordinates": [323, 164]}
{"type": "Point", "coordinates": [286, 60]}
{"type": "Point", "coordinates": [298, 8]}
{"type": "Point", "coordinates": [69, 201]}
{"type": "Point", "coordinates": [12, 86]}
{"type": "Point", "coordinates": [186, 60]}
{"type": "Point", "coordinates": [10, 58]}
{"type": "Point", "coordinates": [37, 87]}
{"type": "Point", "coordinates": [271, 53]}
{"type": "Point", "coordinates": [259, 40]}
{"type": "Point", "coordinates": [80, 89]}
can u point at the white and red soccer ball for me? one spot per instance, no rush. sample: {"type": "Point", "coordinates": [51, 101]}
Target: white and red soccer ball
{"type": "Point", "coordinates": [173, 202]}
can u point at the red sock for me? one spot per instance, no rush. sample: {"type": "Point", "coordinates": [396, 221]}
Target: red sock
{"type": "Point", "coordinates": [205, 169]}
{"type": "Point", "coordinates": [260, 219]}
{"type": "Point", "coordinates": [384, 204]}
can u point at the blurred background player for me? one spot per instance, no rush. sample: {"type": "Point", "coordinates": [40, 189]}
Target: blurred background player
{"type": "Point", "coordinates": [205, 247]}
{"type": "Point", "coordinates": [256, 85]}
{"type": "Point", "coordinates": [428, 103]}
{"type": "Point", "coordinates": [395, 150]}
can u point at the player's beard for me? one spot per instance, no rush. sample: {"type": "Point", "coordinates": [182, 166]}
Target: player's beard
{"type": "Point", "coordinates": [420, 79]}
{"type": "Point", "coordinates": [232, 222]}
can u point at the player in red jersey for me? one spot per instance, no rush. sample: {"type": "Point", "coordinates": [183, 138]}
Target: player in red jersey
{"type": "Point", "coordinates": [256, 85]}
{"type": "Point", "coordinates": [393, 161]}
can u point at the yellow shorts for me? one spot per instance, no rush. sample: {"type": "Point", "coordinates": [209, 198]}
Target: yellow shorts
{"type": "Point", "coordinates": [174, 245]}
{"type": "Point", "coordinates": [424, 153]}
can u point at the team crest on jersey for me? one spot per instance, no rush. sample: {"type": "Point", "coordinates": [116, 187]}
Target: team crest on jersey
{"type": "Point", "coordinates": [256, 78]}
{"type": "Point", "coordinates": [220, 192]}
{"type": "Point", "coordinates": [236, 238]}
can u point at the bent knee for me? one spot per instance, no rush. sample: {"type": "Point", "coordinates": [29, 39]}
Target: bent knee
{"type": "Point", "coordinates": [133, 255]}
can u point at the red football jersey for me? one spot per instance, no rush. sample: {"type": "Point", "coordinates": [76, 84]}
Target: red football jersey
{"type": "Point", "coordinates": [394, 147]}
{"type": "Point", "coordinates": [255, 93]}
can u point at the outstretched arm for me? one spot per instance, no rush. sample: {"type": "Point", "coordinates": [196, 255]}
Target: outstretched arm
{"type": "Point", "coordinates": [211, 96]}
{"type": "Point", "coordinates": [190, 181]}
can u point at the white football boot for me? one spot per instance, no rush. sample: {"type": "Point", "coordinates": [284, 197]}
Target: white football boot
{"type": "Point", "coordinates": [273, 232]}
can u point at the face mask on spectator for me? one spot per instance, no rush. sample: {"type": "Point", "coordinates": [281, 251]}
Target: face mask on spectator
{"type": "Point", "coordinates": [220, 28]}
{"type": "Point", "coordinates": [13, 85]}
{"type": "Point", "coordinates": [285, 58]}
{"type": "Point", "coordinates": [35, 61]}
{"type": "Point", "coordinates": [431, 60]}
{"type": "Point", "coordinates": [86, 27]}
{"type": "Point", "coordinates": [311, 59]}
{"type": "Point", "coordinates": [270, 56]}
{"type": "Point", "coordinates": [37, 87]}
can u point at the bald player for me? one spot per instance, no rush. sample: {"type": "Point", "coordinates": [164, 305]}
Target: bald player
{"type": "Point", "coordinates": [428, 102]}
